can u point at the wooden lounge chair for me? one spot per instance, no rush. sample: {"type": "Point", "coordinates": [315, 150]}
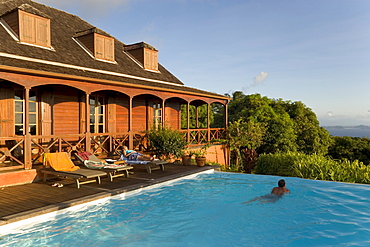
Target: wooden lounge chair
{"type": "Point", "coordinates": [59, 164]}
{"type": "Point", "coordinates": [114, 169]}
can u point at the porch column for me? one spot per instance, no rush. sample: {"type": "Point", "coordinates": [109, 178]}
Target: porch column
{"type": "Point", "coordinates": [163, 113]}
{"type": "Point", "coordinates": [27, 139]}
{"type": "Point", "coordinates": [226, 116]}
{"type": "Point", "coordinates": [188, 123]}
{"type": "Point", "coordinates": [87, 120]}
{"type": "Point", "coordinates": [208, 123]}
{"type": "Point", "coordinates": [196, 117]}
{"type": "Point", "coordinates": [130, 133]}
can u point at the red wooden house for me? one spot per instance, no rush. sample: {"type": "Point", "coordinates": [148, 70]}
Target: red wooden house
{"type": "Point", "coordinates": [66, 85]}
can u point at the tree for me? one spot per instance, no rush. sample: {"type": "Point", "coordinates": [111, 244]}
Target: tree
{"type": "Point", "coordinates": [279, 134]}
{"type": "Point", "coordinates": [311, 138]}
{"type": "Point", "coordinates": [248, 135]}
{"type": "Point", "coordinates": [290, 126]}
{"type": "Point", "coordinates": [350, 148]}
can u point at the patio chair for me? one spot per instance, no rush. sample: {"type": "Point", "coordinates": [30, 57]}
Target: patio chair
{"type": "Point", "coordinates": [59, 164]}
{"type": "Point", "coordinates": [117, 169]}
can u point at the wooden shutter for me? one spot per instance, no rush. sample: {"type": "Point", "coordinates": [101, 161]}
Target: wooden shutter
{"type": "Point", "coordinates": [42, 31]}
{"type": "Point", "coordinates": [34, 29]}
{"type": "Point", "coordinates": [104, 47]}
{"type": "Point", "coordinates": [47, 105]}
{"type": "Point", "coordinates": [99, 47]}
{"type": "Point", "coordinates": [151, 59]}
{"type": "Point", "coordinates": [27, 28]}
{"type": "Point", "coordinates": [109, 49]}
{"type": "Point", "coordinates": [6, 112]}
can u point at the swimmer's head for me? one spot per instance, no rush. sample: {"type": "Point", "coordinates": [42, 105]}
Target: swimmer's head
{"type": "Point", "coordinates": [281, 183]}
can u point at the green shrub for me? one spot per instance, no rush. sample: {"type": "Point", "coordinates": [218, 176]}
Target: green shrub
{"type": "Point", "coordinates": [313, 166]}
{"type": "Point", "coordinates": [166, 142]}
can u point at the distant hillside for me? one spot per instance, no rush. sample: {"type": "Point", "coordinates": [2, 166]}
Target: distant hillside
{"type": "Point", "coordinates": [347, 127]}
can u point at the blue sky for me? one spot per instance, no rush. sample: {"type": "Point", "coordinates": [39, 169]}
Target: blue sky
{"type": "Point", "coordinates": [317, 51]}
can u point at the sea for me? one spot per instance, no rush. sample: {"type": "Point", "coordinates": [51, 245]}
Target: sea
{"type": "Point", "coordinates": [349, 131]}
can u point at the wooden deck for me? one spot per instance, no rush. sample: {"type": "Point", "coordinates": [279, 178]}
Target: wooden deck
{"type": "Point", "coordinates": [29, 200]}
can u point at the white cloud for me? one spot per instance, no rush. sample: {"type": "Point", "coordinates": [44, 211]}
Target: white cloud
{"type": "Point", "coordinates": [258, 79]}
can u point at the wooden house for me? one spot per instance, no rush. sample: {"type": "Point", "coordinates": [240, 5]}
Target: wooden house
{"type": "Point", "coordinates": [66, 85]}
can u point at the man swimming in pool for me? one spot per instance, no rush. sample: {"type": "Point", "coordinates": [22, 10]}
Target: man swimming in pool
{"type": "Point", "coordinates": [275, 195]}
{"type": "Point", "coordinates": [281, 190]}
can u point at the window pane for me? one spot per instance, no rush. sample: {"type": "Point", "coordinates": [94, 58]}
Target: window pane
{"type": "Point", "coordinates": [92, 119]}
{"type": "Point", "coordinates": [101, 119]}
{"type": "Point", "coordinates": [19, 129]}
{"type": "Point", "coordinates": [100, 109]}
{"type": "Point", "coordinates": [18, 106]}
{"type": "Point", "coordinates": [32, 118]}
{"type": "Point", "coordinates": [101, 129]}
{"type": "Point", "coordinates": [32, 107]}
{"type": "Point", "coordinates": [159, 113]}
{"type": "Point", "coordinates": [18, 118]}
{"type": "Point", "coordinates": [92, 109]}
{"type": "Point", "coordinates": [33, 129]}
{"type": "Point", "coordinates": [92, 130]}
{"type": "Point", "coordinates": [92, 101]}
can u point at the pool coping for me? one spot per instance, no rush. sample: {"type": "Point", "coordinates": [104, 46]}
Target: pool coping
{"type": "Point", "coordinates": [106, 193]}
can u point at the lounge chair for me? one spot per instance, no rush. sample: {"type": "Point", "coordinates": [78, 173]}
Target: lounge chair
{"type": "Point", "coordinates": [59, 164]}
{"type": "Point", "coordinates": [114, 169]}
{"type": "Point", "coordinates": [149, 165]}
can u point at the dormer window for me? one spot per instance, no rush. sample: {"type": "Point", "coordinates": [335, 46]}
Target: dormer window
{"type": "Point", "coordinates": [29, 26]}
{"type": "Point", "coordinates": [145, 54]}
{"type": "Point", "coordinates": [98, 45]}
{"type": "Point", "coordinates": [34, 29]}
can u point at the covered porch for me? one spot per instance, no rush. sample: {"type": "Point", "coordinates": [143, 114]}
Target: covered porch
{"type": "Point", "coordinates": [70, 114]}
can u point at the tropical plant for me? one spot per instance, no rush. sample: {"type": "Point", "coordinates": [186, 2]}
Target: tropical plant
{"type": "Point", "coordinates": [313, 166]}
{"type": "Point", "coordinates": [166, 142]}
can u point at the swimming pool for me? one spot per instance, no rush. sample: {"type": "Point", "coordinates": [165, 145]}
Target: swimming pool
{"type": "Point", "coordinates": [210, 210]}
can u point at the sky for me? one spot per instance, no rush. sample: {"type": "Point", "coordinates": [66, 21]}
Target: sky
{"type": "Point", "coordinates": [316, 52]}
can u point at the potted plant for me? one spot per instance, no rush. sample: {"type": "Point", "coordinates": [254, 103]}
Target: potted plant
{"type": "Point", "coordinates": [186, 157]}
{"type": "Point", "coordinates": [199, 154]}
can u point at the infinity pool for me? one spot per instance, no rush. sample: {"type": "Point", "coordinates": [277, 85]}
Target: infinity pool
{"type": "Point", "coordinates": [210, 210]}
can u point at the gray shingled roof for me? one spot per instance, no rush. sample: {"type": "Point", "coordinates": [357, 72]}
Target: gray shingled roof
{"type": "Point", "coordinates": [66, 51]}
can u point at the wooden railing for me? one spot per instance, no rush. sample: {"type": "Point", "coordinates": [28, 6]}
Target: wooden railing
{"type": "Point", "coordinates": [11, 153]}
{"type": "Point", "coordinates": [201, 136]}
{"type": "Point", "coordinates": [12, 148]}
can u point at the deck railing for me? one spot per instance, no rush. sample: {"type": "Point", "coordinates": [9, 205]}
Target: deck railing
{"type": "Point", "coordinates": [12, 148]}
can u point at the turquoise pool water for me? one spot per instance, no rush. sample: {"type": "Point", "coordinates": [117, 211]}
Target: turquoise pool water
{"type": "Point", "coordinates": [210, 210]}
